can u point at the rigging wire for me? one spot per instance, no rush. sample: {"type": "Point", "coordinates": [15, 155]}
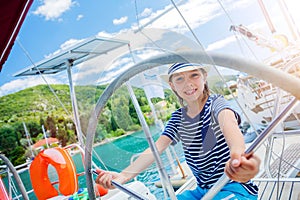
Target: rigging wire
{"type": "Point", "coordinates": [165, 187]}
{"type": "Point", "coordinates": [203, 48]}
{"type": "Point", "coordinates": [150, 40]}
{"type": "Point", "coordinates": [283, 140]}
{"type": "Point", "coordinates": [42, 76]}
{"type": "Point", "coordinates": [241, 49]}
{"type": "Point", "coordinates": [140, 29]}
{"type": "Point", "coordinates": [253, 54]}
{"type": "Point", "coordinates": [286, 161]}
{"type": "Point", "coordinates": [216, 69]}
{"type": "Point", "coordinates": [57, 98]}
{"type": "Point", "coordinates": [279, 165]}
{"type": "Point", "coordinates": [188, 26]}
{"type": "Point", "coordinates": [281, 157]}
{"type": "Point", "coordinates": [231, 21]}
{"type": "Point", "coordinates": [236, 35]}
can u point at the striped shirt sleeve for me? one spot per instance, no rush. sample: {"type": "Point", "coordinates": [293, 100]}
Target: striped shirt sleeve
{"type": "Point", "coordinates": [171, 129]}
{"type": "Point", "coordinates": [219, 104]}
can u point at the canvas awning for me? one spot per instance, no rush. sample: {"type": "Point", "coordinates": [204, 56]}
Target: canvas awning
{"type": "Point", "coordinates": [12, 15]}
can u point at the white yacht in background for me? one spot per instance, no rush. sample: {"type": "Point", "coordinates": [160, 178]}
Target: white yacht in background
{"type": "Point", "coordinates": [261, 100]}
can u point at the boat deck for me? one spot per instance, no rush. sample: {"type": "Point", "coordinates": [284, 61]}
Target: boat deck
{"type": "Point", "coordinates": [279, 189]}
{"type": "Point", "coordinates": [287, 166]}
{"type": "Point", "coordinates": [287, 185]}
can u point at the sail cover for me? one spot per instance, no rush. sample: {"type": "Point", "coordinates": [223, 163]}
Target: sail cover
{"type": "Point", "coordinates": [12, 15]}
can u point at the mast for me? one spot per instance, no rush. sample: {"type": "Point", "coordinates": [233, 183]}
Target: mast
{"type": "Point", "coordinates": [66, 60]}
{"type": "Point", "coordinates": [290, 21]}
{"type": "Point", "coordinates": [266, 15]}
{"type": "Point", "coordinates": [28, 139]}
{"type": "Point", "coordinates": [45, 136]}
{"type": "Point", "coordinates": [74, 103]}
{"type": "Point", "coordinates": [166, 183]}
{"type": "Point", "coordinates": [288, 18]}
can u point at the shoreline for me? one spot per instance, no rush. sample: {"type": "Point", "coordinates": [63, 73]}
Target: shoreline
{"type": "Point", "coordinates": [107, 140]}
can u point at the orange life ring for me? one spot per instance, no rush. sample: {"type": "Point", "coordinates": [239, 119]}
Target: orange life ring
{"type": "Point", "coordinates": [64, 165]}
{"type": "Point", "coordinates": [101, 190]}
{"type": "Point", "coordinates": [3, 191]}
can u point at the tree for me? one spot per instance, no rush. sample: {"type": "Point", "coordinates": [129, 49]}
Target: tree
{"type": "Point", "coordinates": [133, 114]}
{"type": "Point", "coordinates": [100, 133]}
{"type": "Point", "coordinates": [17, 156]}
{"type": "Point", "coordinates": [42, 121]}
{"type": "Point", "coordinates": [114, 125]}
{"type": "Point", "coordinates": [62, 132]}
{"type": "Point", "coordinates": [8, 141]}
{"type": "Point", "coordinates": [50, 125]}
{"type": "Point", "coordinates": [34, 128]}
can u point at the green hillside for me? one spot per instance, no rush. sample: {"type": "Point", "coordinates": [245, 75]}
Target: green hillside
{"type": "Point", "coordinates": [42, 106]}
{"type": "Point", "coordinates": [38, 106]}
{"type": "Point", "coordinates": [39, 101]}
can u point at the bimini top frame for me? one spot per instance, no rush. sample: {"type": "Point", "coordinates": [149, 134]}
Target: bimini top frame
{"type": "Point", "coordinates": [83, 51]}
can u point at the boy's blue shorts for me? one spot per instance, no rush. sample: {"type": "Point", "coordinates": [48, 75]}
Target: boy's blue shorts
{"type": "Point", "coordinates": [231, 191]}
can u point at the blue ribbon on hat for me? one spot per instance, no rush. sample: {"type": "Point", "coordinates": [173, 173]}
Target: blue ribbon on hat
{"type": "Point", "coordinates": [177, 66]}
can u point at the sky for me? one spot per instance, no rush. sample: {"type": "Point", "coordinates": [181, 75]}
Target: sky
{"type": "Point", "coordinates": [53, 25]}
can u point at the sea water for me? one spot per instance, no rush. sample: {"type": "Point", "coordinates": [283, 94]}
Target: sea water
{"type": "Point", "coordinates": [115, 155]}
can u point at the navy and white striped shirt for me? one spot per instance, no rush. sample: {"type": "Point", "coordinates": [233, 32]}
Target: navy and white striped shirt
{"type": "Point", "coordinates": [204, 145]}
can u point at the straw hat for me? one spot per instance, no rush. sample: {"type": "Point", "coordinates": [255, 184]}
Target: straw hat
{"type": "Point", "coordinates": [182, 67]}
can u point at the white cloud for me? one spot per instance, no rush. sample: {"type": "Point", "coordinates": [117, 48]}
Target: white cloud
{"type": "Point", "coordinates": [282, 19]}
{"type": "Point", "coordinates": [146, 12]}
{"type": "Point", "coordinates": [221, 43]}
{"type": "Point", "coordinates": [195, 13]}
{"type": "Point", "coordinates": [23, 83]}
{"type": "Point", "coordinates": [122, 20]}
{"type": "Point", "coordinates": [65, 46]}
{"type": "Point", "coordinates": [53, 9]}
{"type": "Point", "coordinates": [106, 34]}
{"type": "Point", "coordinates": [79, 17]}
{"type": "Point", "coordinates": [70, 43]}
{"type": "Point", "coordinates": [97, 71]}
{"type": "Point", "coordinates": [293, 8]}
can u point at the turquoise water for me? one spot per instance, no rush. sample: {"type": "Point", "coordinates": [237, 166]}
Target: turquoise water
{"type": "Point", "coordinates": [116, 155]}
